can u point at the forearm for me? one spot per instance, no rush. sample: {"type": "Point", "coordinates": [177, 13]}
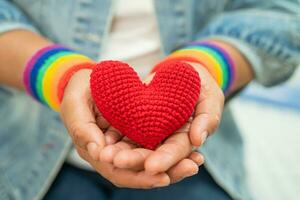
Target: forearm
{"type": "Point", "coordinates": [16, 48]}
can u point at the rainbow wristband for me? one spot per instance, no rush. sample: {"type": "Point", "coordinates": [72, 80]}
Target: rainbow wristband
{"type": "Point", "coordinates": [44, 71]}
{"type": "Point", "coordinates": [213, 57]}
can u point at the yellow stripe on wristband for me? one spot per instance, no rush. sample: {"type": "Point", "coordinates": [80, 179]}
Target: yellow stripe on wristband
{"type": "Point", "coordinates": [53, 75]}
{"type": "Point", "coordinates": [208, 61]}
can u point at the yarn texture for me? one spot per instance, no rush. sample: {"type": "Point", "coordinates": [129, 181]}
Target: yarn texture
{"type": "Point", "coordinates": [145, 113]}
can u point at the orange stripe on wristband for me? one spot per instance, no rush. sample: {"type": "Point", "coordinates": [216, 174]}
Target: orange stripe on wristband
{"type": "Point", "coordinates": [208, 62]}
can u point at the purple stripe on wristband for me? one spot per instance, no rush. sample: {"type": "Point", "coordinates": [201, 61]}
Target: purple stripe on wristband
{"type": "Point", "coordinates": [30, 64]}
{"type": "Point", "coordinates": [228, 59]}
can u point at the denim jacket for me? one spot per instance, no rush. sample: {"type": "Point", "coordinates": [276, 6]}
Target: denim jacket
{"type": "Point", "coordinates": [34, 142]}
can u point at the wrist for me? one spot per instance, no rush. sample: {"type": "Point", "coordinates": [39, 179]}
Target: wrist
{"type": "Point", "coordinates": [225, 64]}
{"type": "Point", "coordinates": [77, 81]}
{"type": "Point", "coordinates": [243, 70]}
{"type": "Point", "coordinates": [49, 70]}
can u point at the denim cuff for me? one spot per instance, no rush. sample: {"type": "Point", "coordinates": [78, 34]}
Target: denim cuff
{"type": "Point", "coordinates": [10, 26]}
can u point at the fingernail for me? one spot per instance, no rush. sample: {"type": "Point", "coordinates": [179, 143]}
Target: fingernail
{"type": "Point", "coordinates": [199, 160]}
{"type": "Point", "coordinates": [202, 160]}
{"type": "Point", "coordinates": [184, 177]}
{"type": "Point", "coordinates": [203, 137]}
{"type": "Point", "coordinates": [162, 184]}
{"type": "Point", "coordinates": [165, 181]}
{"type": "Point", "coordinates": [194, 173]}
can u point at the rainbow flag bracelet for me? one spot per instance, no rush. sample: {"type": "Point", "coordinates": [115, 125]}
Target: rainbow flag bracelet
{"type": "Point", "coordinates": [210, 55]}
{"type": "Point", "coordinates": [48, 71]}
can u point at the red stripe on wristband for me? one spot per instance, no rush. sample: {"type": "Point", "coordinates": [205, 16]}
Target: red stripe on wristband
{"type": "Point", "coordinates": [66, 77]}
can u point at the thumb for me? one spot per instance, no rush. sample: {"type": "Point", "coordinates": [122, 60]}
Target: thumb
{"type": "Point", "coordinates": [78, 114]}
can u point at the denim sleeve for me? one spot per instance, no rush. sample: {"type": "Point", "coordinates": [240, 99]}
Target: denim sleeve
{"type": "Point", "coordinates": [268, 36]}
{"type": "Point", "coordinates": [11, 18]}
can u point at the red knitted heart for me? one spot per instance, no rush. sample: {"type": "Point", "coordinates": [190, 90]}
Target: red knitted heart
{"type": "Point", "coordinates": [146, 114]}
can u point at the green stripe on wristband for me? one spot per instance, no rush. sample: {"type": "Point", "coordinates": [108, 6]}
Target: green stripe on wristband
{"type": "Point", "coordinates": [41, 74]}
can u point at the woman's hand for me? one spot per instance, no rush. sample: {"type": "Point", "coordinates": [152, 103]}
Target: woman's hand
{"type": "Point", "coordinates": [121, 161]}
{"type": "Point", "coordinates": [174, 156]}
{"type": "Point", "coordinates": [80, 116]}
{"type": "Point", "coordinates": [86, 127]}
{"type": "Point", "coordinates": [209, 108]}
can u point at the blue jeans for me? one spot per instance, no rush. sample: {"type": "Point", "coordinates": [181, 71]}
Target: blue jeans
{"type": "Point", "coordinates": [76, 184]}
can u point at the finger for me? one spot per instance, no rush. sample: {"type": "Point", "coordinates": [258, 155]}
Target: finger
{"type": "Point", "coordinates": [112, 136]}
{"type": "Point", "coordinates": [131, 179]}
{"type": "Point", "coordinates": [133, 159]}
{"type": "Point", "coordinates": [207, 116]}
{"type": "Point", "coordinates": [174, 149]}
{"type": "Point", "coordinates": [197, 157]}
{"type": "Point", "coordinates": [185, 168]}
{"type": "Point", "coordinates": [108, 153]}
{"type": "Point", "coordinates": [81, 123]}
{"type": "Point", "coordinates": [77, 113]}
{"type": "Point", "coordinates": [124, 177]}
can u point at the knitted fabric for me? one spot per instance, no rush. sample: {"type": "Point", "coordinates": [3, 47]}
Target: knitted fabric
{"type": "Point", "coordinates": [147, 114]}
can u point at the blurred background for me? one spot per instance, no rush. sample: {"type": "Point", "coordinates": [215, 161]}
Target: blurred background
{"type": "Point", "coordinates": [270, 120]}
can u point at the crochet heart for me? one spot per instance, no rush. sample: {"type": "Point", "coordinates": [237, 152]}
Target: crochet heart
{"type": "Point", "coordinates": [145, 113]}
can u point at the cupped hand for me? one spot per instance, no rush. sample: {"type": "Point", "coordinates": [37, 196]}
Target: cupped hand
{"type": "Point", "coordinates": [86, 127]}
{"type": "Point", "coordinates": [175, 155]}
{"type": "Point", "coordinates": [84, 123]}
{"type": "Point", "coordinates": [208, 110]}
{"type": "Point", "coordinates": [125, 163]}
